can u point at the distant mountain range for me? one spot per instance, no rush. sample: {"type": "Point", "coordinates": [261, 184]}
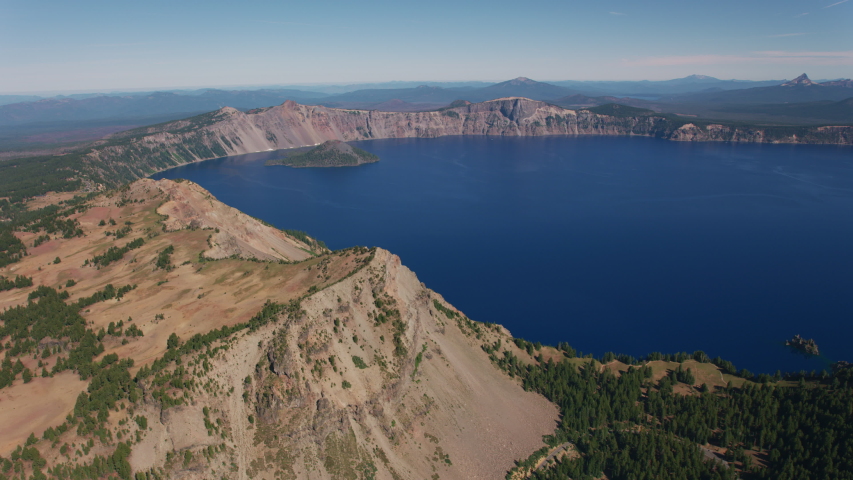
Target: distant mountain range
{"type": "Point", "coordinates": [339, 89]}
{"type": "Point", "coordinates": [424, 94]}
{"type": "Point", "coordinates": [689, 84]}
{"type": "Point", "coordinates": [7, 99]}
{"type": "Point", "coordinates": [65, 109]}
{"type": "Point", "coordinates": [801, 89]}
{"type": "Point", "coordinates": [25, 118]}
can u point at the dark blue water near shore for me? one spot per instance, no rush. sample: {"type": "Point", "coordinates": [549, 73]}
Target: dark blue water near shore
{"type": "Point", "coordinates": [629, 245]}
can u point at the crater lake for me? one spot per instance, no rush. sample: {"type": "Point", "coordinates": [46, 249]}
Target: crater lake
{"type": "Point", "coordinates": [622, 244]}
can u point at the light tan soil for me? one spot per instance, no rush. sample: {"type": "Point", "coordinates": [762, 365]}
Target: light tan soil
{"type": "Point", "coordinates": [35, 406]}
{"type": "Point", "coordinates": [453, 415]}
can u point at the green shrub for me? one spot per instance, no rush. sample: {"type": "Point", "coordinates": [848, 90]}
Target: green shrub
{"type": "Point", "coordinates": [359, 362]}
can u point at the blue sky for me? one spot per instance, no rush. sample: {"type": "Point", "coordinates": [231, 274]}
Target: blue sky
{"type": "Point", "coordinates": [118, 44]}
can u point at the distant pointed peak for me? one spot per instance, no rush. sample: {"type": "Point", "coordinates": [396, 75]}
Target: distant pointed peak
{"type": "Point", "coordinates": [801, 80]}
{"type": "Point", "coordinates": [700, 77]}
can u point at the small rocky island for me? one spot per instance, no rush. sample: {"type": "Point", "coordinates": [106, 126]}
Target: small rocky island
{"type": "Point", "coordinates": [842, 365]}
{"type": "Point", "coordinates": [807, 346]}
{"type": "Point", "coordinates": [333, 153]}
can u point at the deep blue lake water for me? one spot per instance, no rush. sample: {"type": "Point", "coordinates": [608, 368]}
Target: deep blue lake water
{"type": "Point", "coordinates": [621, 244]}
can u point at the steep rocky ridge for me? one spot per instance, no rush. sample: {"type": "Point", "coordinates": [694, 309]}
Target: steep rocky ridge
{"type": "Point", "coordinates": [191, 295]}
{"type": "Point", "coordinates": [228, 131]}
{"type": "Point", "coordinates": [357, 370]}
{"type": "Point", "coordinates": [439, 407]}
{"type": "Point", "coordinates": [235, 234]}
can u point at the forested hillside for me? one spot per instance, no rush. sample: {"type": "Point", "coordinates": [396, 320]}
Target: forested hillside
{"type": "Point", "coordinates": [634, 421]}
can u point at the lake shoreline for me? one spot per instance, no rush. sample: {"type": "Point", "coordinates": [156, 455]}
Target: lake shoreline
{"type": "Point", "coordinates": [369, 140]}
{"type": "Point", "coordinates": [550, 221]}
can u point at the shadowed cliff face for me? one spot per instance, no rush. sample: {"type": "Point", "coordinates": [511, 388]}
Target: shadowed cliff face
{"type": "Point", "coordinates": [228, 131]}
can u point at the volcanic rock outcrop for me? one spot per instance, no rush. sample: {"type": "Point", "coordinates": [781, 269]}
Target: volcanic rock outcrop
{"type": "Point", "coordinates": [228, 131]}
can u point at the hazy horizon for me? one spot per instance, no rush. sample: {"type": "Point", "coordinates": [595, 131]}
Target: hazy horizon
{"type": "Point", "coordinates": [52, 46]}
{"type": "Point", "coordinates": [349, 84]}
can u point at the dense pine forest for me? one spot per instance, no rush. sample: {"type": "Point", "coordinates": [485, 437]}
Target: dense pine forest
{"type": "Point", "coordinates": [629, 427]}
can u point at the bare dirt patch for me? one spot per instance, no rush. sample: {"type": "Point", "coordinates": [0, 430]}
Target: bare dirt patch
{"type": "Point", "coordinates": [35, 406]}
{"type": "Point", "coordinates": [50, 198]}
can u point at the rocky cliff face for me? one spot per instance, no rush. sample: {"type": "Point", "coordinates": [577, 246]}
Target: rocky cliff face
{"type": "Point", "coordinates": [231, 132]}
{"type": "Point", "coordinates": [838, 135]}
{"type": "Point", "coordinates": [345, 389]}
{"type": "Point", "coordinates": [340, 366]}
